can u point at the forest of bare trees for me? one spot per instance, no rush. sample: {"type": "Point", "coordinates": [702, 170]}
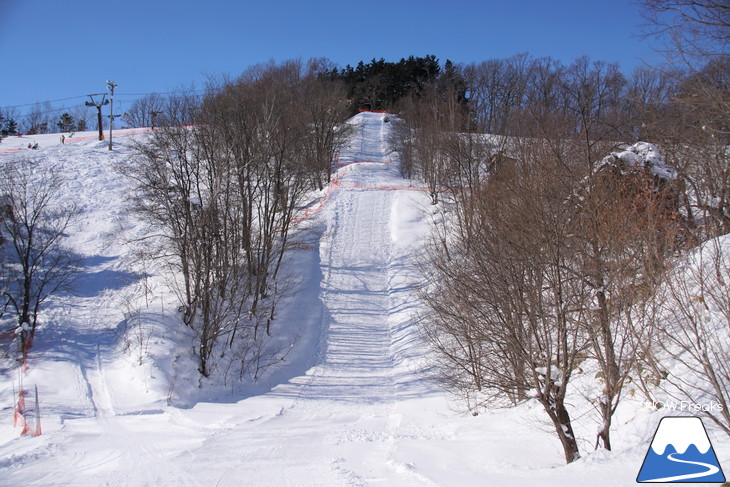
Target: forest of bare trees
{"type": "Point", "coordinates": [564, 225]}
{"type": "Point", "coordinates": [220, 182]}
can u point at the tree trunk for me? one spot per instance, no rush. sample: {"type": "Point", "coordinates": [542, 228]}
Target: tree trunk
{"type": "Point", "coordinates": [563, 428]}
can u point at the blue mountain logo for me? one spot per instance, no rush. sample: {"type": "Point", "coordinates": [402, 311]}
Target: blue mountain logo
{"type": "Point", "coordinates": [681, 452]}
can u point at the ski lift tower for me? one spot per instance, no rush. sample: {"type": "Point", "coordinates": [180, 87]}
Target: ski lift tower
{"type": "Point", "coordinates": [98, 105]}
{"type": "Point", "coordinates": [110, 86]}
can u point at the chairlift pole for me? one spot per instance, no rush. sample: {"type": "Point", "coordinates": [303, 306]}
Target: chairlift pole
{"type": "Point", "coordinates": [98, 106]}
{"type": "Point", "coordinates": [111, 85]}
{"type": "Point", "coordinates": [154, 113]}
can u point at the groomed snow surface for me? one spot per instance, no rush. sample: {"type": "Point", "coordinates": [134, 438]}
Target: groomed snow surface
{"type": "Point", "coordinates": [351, 405]}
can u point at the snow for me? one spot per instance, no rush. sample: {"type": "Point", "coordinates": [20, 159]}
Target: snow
{"type": "Point", "coordinates": [352, 404]}
{"type": "Point", "coordinates": [642, 155]}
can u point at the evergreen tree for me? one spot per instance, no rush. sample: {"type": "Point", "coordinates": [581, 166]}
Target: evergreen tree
{"type": "Point", "coordinates": [380, 85]}
{"type": "Point", "coordinates": [10, 127]}
{"type": "Point", "coordinates": [67, 123]}
{"type": "Point", "coordinates": [40, 128]}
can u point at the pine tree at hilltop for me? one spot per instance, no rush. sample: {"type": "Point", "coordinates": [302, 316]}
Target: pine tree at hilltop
{"type": "Point", "coordinates": [67, 123]}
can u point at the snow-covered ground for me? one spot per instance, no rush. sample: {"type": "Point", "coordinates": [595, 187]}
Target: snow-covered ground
{"type": "Point", "coordinates": [351, 405]}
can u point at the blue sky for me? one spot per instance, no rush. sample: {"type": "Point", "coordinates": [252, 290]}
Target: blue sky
{"type": "Point", "coordinates": [58, 49]}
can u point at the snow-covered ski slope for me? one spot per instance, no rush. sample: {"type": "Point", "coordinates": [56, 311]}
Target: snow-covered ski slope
{"type": "Point", "coordinates": [352, 405]}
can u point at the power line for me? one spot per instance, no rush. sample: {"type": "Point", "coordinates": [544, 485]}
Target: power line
{"type": "Point", "coordinates": [163, 93]}
{"type": "Point", "coordinates": [45, 112]}
{"type": "Point", "coordinates": [43, 102]}
{"type": "Point", "coordinates": [118, 94]}
{"type": "Point", "coordinates": [67, 108]}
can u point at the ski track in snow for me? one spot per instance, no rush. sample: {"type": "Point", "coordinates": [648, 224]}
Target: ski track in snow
{"type": "Point", "coordinates": [337, 424]}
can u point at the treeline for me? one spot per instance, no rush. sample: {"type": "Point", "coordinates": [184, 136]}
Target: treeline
{"type": "Point", "coordinates": [563, 228]}
{"type": "Point", "coordinates": [43, 119]}
{"type": "Point", "coordinates": [381, 85]}
{"type": "Point", "coordinates": [220, 183]}
{"type": "Point", "coordinates": [520, 96]}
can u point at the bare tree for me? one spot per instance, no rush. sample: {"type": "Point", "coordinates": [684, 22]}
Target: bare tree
{"type": "Point", "coordinates": [223, 192]}
{"type": "Point", "coordinates": [429, 137]}
{"type": "Point", "coordinates": [82, 117]}
{"type": "Point", "coordinates": [593, 93]}
{"type": "Point", "coordinates": [270, 140]}
{"type": "Point", "coordinates": [505, 312]}
{"type": "Point", "coordinates": [325, 108]}
{"type": "Point", "coordinates": [145, 111]}
{"type": "Point", "coordinates": [179, 192]}
{"type": "Point", "coordinates": [695, 138]}
{"type": "Point", "coordinates": [498, 88]}
{"type": "Point", "coordinates": [559, 242]}
{"type": "Point", "coordinates": [693, 127]}
{"type": "Point", "coordinates": [691, 30]}
{"type": "Point", "coordinates": [649, 95]}
{"type": "Point", "coordinates": [38, 120]}
{"type": "Point", "coordinates": [5, 213]}
{"type": "Point", "coordinates": [625, 228]}
{"type": "Point", "coordinates": [696, 331]}
{"type": "Point", "coordinates": [34, 225]}
{"type": "Point", "coordinates": [434, 143]}
{"type": "Point", "coordinates": [401, 140]}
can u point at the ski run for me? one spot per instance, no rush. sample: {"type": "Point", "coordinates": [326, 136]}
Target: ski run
{"type": "Point", "coordinates": [352, 404]}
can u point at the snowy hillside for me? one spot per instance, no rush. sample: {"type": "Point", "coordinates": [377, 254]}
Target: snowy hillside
{"type": "Point", "coordinates": [352, 403]}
